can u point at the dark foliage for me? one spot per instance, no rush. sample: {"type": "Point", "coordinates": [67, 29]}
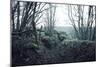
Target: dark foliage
{"type": "Point", "coordinates": [50, 50]}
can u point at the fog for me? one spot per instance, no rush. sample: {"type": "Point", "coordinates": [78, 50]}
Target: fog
{"type": "Point", "coordinates": [62, 19]}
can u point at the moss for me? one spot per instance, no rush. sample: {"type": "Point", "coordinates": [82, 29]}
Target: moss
{"type": "Point", "coordinates": [34, 45]}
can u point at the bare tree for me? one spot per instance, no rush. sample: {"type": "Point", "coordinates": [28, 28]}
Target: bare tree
{"type": "Point", "coordinates": [50, 19]}
{"type": "Point", "coordinates": [84, 27]}
{"type": "Point", "coordinates": [14, 6]}
{"type": "Point", "coordinates": [25, 16]}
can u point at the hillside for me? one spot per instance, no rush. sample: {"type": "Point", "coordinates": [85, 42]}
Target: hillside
{"type": "Point", "coordinates": [67, 29]}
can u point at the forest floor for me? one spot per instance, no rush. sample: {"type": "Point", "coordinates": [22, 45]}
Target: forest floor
{"type": "Point", "coordinates": [51, 51]}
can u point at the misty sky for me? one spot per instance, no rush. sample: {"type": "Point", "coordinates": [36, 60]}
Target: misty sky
{"type": "Point", "coordinates": [61, 15]}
